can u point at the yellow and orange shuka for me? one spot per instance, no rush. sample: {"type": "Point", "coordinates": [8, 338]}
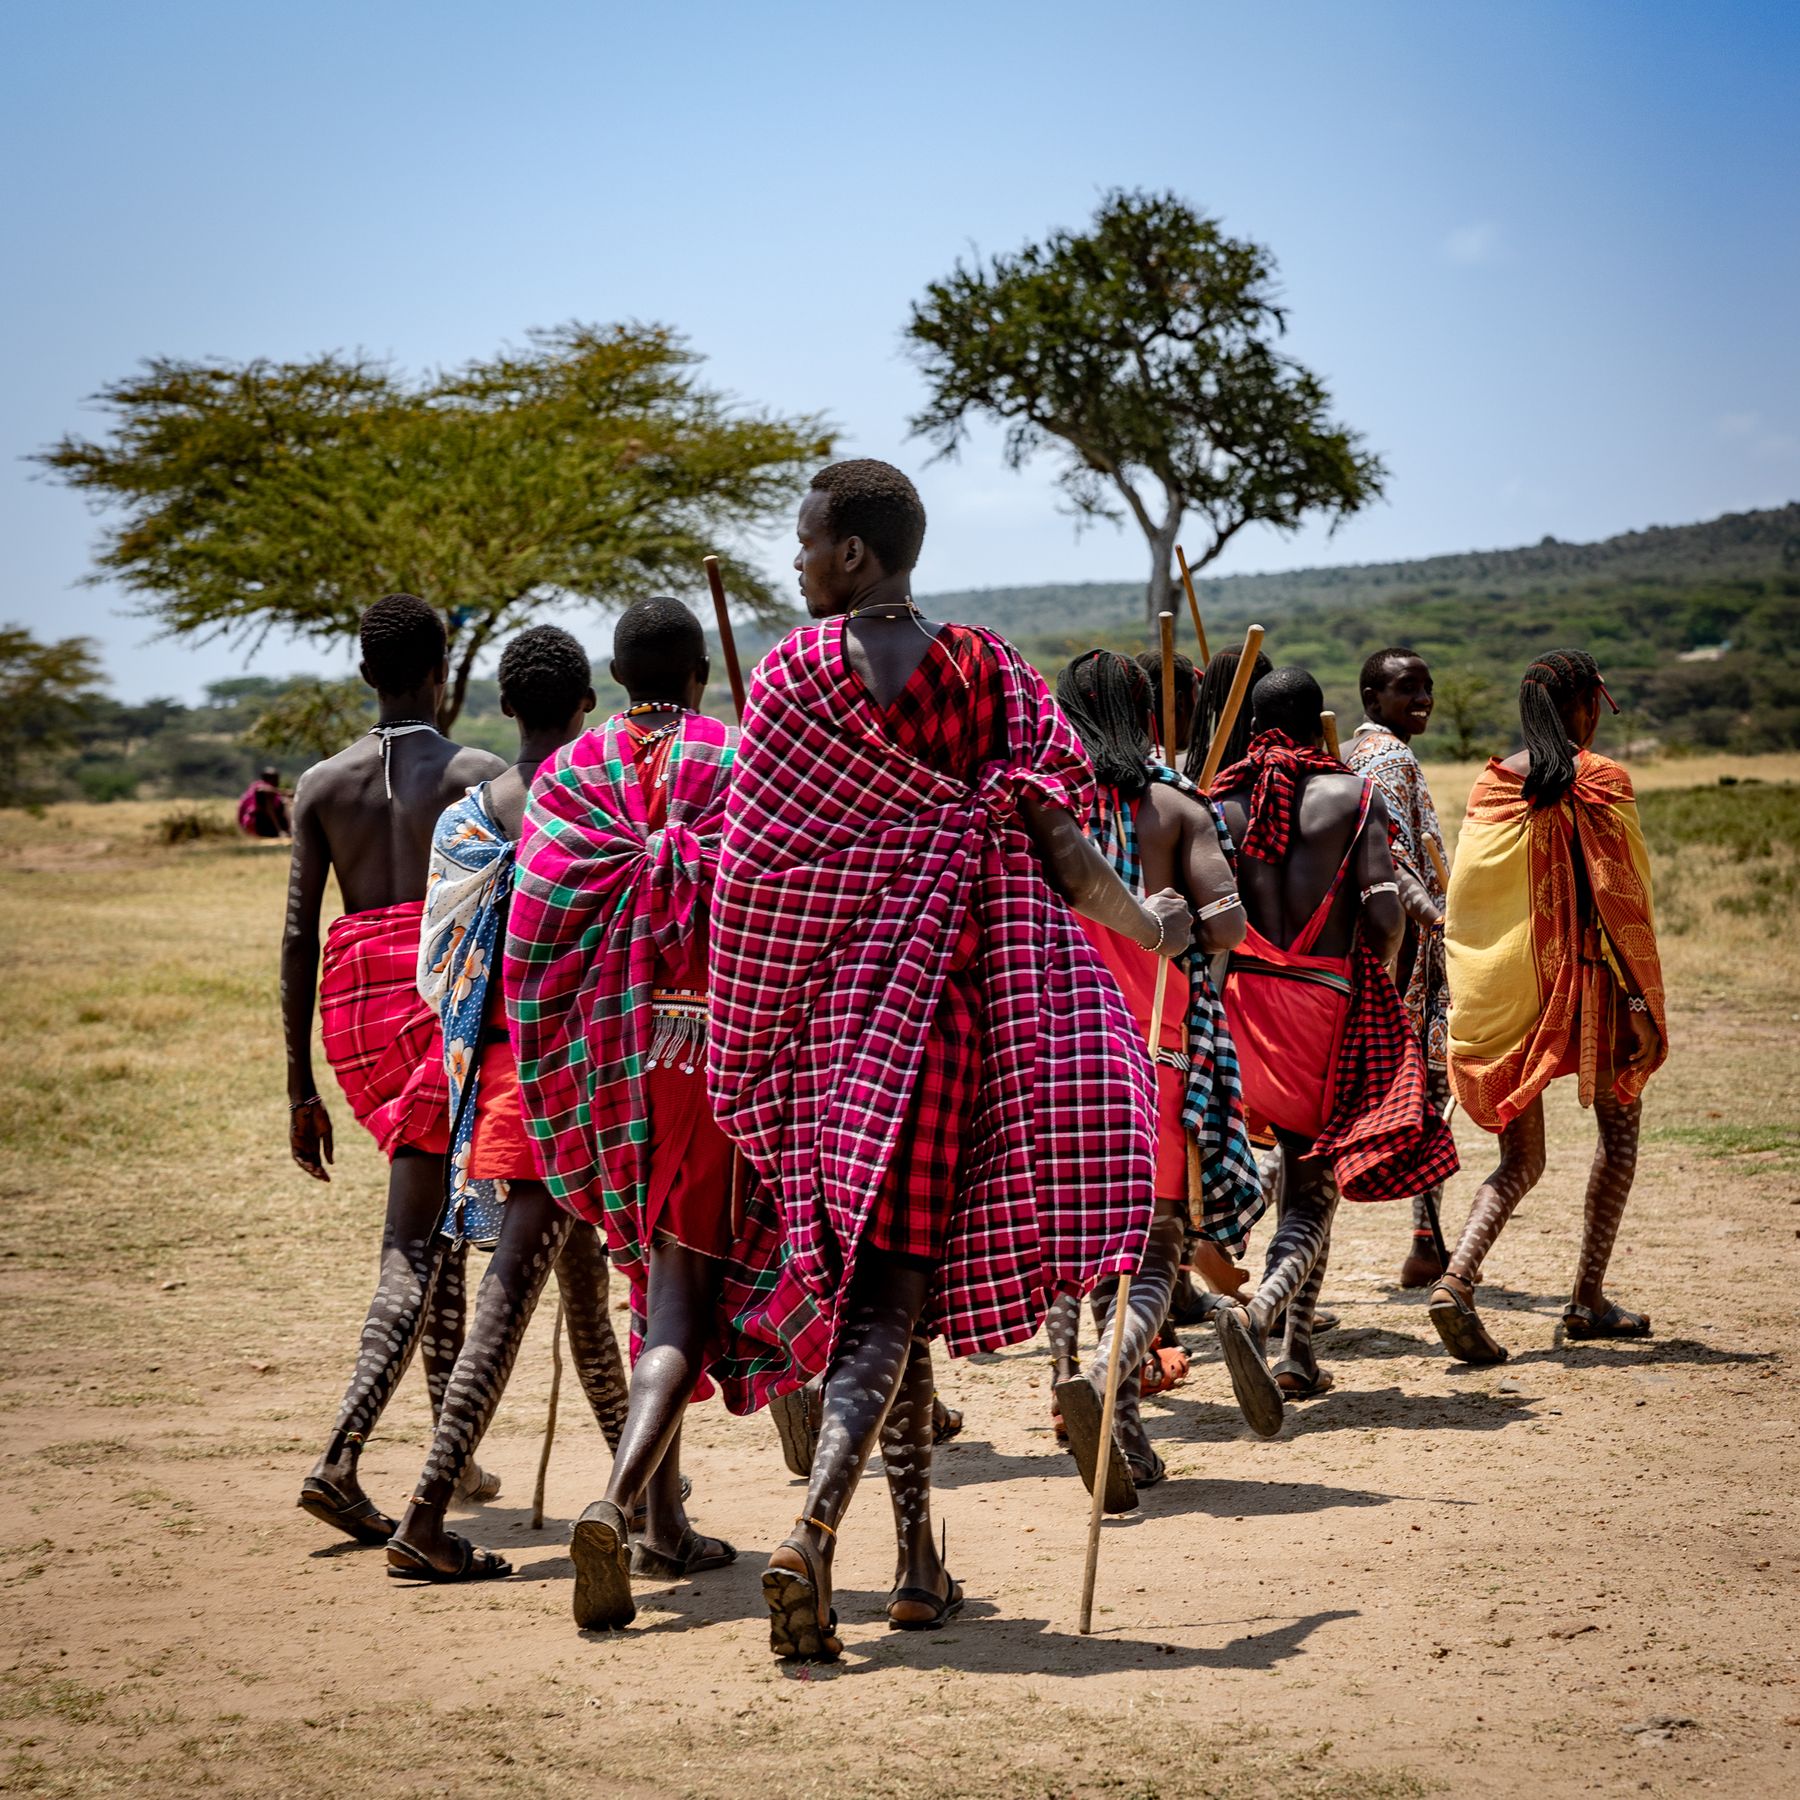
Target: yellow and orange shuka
{"type": "Point", "coordinates": [1538, 971]}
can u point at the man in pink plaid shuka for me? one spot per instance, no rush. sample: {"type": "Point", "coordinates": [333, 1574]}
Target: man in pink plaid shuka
{"type": "Point", "coordinates": [896, 986]}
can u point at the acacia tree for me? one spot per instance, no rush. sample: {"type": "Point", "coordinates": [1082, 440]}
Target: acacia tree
{"type": "Point", "coordinates": [588, 468]}
{"type": "Point", "coordinates": [1145, 348]}
{"type": "Point", "coordinates": [46, 692]}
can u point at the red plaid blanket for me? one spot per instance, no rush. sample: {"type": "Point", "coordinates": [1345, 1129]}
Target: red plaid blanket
{"type": "Point", "coordinates": [599, 897]}
{"type": "Point", "coordinates": [847, 871]}
{"type": "Point", "coordinates": [381, 1039]}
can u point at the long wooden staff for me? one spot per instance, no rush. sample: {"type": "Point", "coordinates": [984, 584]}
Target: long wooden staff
{"type": "Point", "coordinates": [727, 643]}
{"type": "Point", "coordinates": [1328, 725]}
{"type": "Point", "coordinates": [728, 649]}
{"type": "Point", "coordinates": [1240, 686]}
{"type": "Point", "coordinates": [537, 1498]}
{"type": "Point", "coordinates": [1193, 600]}
{"type": "Point", "coordinates": [1122, 1299]}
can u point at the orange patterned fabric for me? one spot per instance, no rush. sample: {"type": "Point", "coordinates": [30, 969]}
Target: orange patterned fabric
{"type": "Point", "coordinates": [1556, 988]}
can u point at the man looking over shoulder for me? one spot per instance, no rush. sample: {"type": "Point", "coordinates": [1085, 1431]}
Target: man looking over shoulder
{"type": "Point", "coordinates": [367, 815]}
{"type": "Point", "coordinates": [1397, 702]}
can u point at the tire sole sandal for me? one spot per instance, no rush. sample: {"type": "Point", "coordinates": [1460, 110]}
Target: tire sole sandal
{"type": "Point", "coordinates": [694, 1556]}
{"type": "Point", "coordinates": [1306, 1387]}
{"type": "Point", "coordinates": [600, 1548]}
{"type": "Point", "coordinates": [1460, 1327]}
{"type": "Point", "coordinates": [795, 1426]}
{"type": "Point", "coordinates": [796, 1630]}
{"type": "Point", "coordinates": [407, 1564]}
{"type": "Point", "coordinates": [1258, 1392]}
{"type": "Point", "coordinates": [944, 1607]}
{"type": "Point", "coordinates": [1080, 1407]}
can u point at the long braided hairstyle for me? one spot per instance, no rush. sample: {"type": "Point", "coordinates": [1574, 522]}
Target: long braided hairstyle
{"type": "Point", "coordinates": [1106, 697]}
{"type": "Point", "coordinates": [1553, 685]}
{"type": "Point", "coordinates": [1215, 685]}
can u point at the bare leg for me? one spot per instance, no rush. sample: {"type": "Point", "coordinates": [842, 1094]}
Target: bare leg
{"type": "Point", "coordinates": [906, 1446]}
{"type": "Point", "coordinates": [1062, 1325]}
{"type": "Point", "coordinates": [1609, 1187]}
{"type": "Point", "coordinates": [1451, 1307]}
{"type": "Point", "coordinates": [1151, 1289]}
{"type": "Point", "coordinates": [1521, 1169]}
{"type": "Point", "coordinates": [887, 1295]}
{"type": "Point", "coordinates": [682, 1291]}
{"type": "Point", "coordinates": [532, 1231]}
{"type": "Point", "coordinates": [1308, 1201]}
{"type": "Point", "coordinates": [581, 1278]}
{"type": "Point", "coordinates": [411, 1255]}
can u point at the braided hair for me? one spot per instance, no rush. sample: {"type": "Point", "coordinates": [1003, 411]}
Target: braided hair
{"type": "Point", "coordinates": [1215, 685]}
{"type": "Point", "coordinates": [1106, 697]}
{"type": "Point", "coordinates": [1552, 687]}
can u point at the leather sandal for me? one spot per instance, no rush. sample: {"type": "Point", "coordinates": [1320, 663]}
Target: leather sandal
{"type": "Point", "coordinates": [1614, 1322]}
{"type": "Point", "coordinates": [799, 1624]}
{"type": "Point", "coordinates": [407, 1564]}
{"type": "Point", "coordinates": [694, 1555]}
{"type": "Point", "coordinates": [600, 1548]}
{"type": "Point", "coordinates": [1460, 1326]}
{"type": "Point", "coordinates": [360, 1518]}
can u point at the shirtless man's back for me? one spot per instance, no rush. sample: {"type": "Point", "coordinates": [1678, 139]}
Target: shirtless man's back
{"type": "Point", "coordinates": [367, 814]}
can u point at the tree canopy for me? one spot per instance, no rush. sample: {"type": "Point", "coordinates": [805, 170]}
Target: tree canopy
{"type": "Point", "coordinates": [1145, 348]}
{"type": "Point", "coordinates": [46, 690]}
{"type": "Point", "coordinates": [591, 467]}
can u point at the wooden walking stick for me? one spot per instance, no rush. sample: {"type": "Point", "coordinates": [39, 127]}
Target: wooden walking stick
{"type": "Point", "coordinates": [537, 1497]}
{"type": "Point", "coordinates": [1193, 599]}
{"type": "Point", "coordinates": [1437, 862]}
{"type": "Point", "coordinates": [727, 643]}
{"type": "Point", "coordinates": [1234, 701]}
{"type": "Point", "coordinates": [1328, 725]}
{"type": "Point", "coordinates": [1122, 1299]}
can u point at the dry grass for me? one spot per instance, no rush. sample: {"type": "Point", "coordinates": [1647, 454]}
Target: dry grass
{"type": "Point", "coordinates": [181, 1307]}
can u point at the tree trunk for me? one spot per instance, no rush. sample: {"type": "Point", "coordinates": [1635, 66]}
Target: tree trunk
{"type": "Point", "coordinates": [462, 666]}
{"type": "Point", "coordinates": [1159, 594]}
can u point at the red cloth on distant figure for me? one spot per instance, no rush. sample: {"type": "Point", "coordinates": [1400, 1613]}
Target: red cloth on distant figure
{"type": "Point", "coordinates": [500, 1148]}
{"type": "Point", "coordinates": [383, 1043]}
{"type": "Point", "coordinates": [689, 1193]}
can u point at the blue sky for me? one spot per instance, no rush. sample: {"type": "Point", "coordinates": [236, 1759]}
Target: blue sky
{"type": "Point", "coordinates": [1547, 256]}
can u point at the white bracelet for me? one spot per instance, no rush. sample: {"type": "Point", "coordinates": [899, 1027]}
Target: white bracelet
{"type": "Point", "coordinates": [1224, 904]}
{"type": "Point", "coordinates": [1381, 887]}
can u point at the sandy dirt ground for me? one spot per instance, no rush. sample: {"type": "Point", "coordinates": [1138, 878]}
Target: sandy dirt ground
{"type": "Point", "coordinates": [1575, 1573]}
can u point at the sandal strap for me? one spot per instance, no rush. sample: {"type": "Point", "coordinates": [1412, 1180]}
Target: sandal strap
{"type": "Point", "coordinates": [817, 1524]}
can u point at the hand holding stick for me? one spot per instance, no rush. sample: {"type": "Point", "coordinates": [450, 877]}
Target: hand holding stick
{"type": "Point", "coordinates": [1193, 600]}
{"type": "Point", "coordinates": [1234, 701]}
{"type": "Point", "coordinates": [727, 643]}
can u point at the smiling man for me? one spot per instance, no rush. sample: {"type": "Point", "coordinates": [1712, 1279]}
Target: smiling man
{"type": "Point", "coordinates": [1397, 703]}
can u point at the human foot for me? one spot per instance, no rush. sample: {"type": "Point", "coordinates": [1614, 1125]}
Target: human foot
{"type": "Point", "coordinates": [924, 1597]}
{"type": "Point", "coordinates": [449, 1559]}
{"type": "Point", "coordinates": [1451, 1311]}
{"type": "Point", "coordinates": [1603, 1319]}
{"type": "Point", "coordinates": [342, 1505]}
{"type": "Point", "coordinates": [1423, 1265]}
{"type": "Point", "coordinates": [600, 1548]}
{"type": "Point", "coordinates": [796, 1589]}
{"type": "Point", "coordinates": [1082, 1409]}
{"type": "Point", "coordinates": [1258, 1392]}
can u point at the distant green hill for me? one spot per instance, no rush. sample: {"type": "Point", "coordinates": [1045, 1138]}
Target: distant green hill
{"type": "Point", "coordinates": [1696, 626]}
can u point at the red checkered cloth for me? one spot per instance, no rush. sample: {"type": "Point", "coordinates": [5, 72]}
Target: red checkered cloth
{"type": "Point", "coordinates": [382, 1041]}
{"type": "Point", "coordinates": [1272, 770]}
{"type": "Point", "coordinates": [848, 871]}
{"type": "Point", "coordinates": [1385, 1139]}
{"type": "Point", "coordinates": [610, 891]}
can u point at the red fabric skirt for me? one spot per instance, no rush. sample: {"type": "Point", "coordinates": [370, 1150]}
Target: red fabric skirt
{"type": "Point", "coordinates": [382, 1041]}
{"type": "Point", "coordinates": [500, 1148]}
{"type": "Point", "coordinates": [1287, 1011]}
{"type": "Point", "coordinates": [690, 1163]}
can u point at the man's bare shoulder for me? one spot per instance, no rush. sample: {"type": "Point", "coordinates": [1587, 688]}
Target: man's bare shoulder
{"type": "Point", "coordinates": [470, 765]}
{"type": "Point", "coordinates": [349, 767]}
{"type": "Point", "coordinates": [1172, 809]}
{"type": "Point", "coordinates": [1329, 798]}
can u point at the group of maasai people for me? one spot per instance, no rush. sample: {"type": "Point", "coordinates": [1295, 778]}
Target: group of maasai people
{"type": "Point", "coordinates": [923, 1006]}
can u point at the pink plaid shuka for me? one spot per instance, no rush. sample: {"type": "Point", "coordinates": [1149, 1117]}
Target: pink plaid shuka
{"type": "Point", "coordinates": [847, 871]}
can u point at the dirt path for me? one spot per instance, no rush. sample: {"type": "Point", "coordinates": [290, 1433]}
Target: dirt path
{"type": "Point", "coordinates": [1574, 1573]}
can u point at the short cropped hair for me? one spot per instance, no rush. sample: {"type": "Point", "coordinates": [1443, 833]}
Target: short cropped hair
{"type": "Point", "coordinates": [1374, 669]}
{"type": "Point", "coordinates": [874, 501]}
{"type": "Point", "coordinates": [657, 645]}
{"type": "Point", "coordinates": [403, 643]}
{"type": "Point", "coordinates": [1289, 700]}
{"type": "Point", "coordinates": [543, 675]}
